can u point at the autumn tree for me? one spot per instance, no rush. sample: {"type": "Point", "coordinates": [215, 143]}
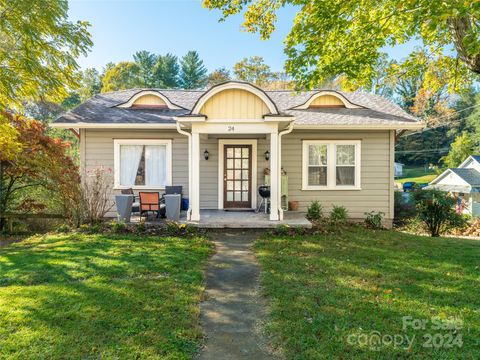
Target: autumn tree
{"type": "Point", "coordinates": [124, 75]}
{"type": "Point", "coordinates": [253, 70]}
{"type": "Point", "coordinates": [345, 38]}
{"type": "Point", "coordinates": [38, 48]}
{"type": "Point", "coordinates": [218, 76]}
{"type": "Point", "coordinates": [193, 74]}
{"type": "Point", "coordinates": [30, 159]}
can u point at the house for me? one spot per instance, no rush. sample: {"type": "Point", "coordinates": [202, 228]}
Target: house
{"type": "Point", "coordinates": [334, 147]}
{"type": "Point", "coordinates": [463, 182]}
{"type": "Point", "coordinates": [398, 169]}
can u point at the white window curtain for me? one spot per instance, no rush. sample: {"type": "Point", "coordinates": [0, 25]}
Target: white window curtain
{"type": "Point", "coordinates": [155, 165]}
{"type": "Point", "coordinates": [130, 156]}
{"type": "Point", "coordinates": [345, 173]}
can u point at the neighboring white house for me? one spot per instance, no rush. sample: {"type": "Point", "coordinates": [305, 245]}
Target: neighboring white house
{"type": "Point", "coordinates": [398, 169]}
{"type": "Point", "coordinates": [463, 182]}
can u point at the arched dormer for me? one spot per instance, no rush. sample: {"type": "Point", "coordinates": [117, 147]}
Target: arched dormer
{"type": "Point", "coordinates": [149, 99]}
{"type": "Point", "coordinates": [234, 100]}
{"type": "Point", "coordinates": [328, 99]}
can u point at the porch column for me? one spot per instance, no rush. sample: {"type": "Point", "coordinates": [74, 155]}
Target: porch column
{"type": "Point", "coordinates": [195, 190]}
{"type": "Point", "coordinates": [274, 180]}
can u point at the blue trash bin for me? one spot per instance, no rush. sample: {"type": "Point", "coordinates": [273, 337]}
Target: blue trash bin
{"type": "Point", "coordinates": [185, 204]}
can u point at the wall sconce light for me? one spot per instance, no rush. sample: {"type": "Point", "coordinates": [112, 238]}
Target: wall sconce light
{"type": "Point", "coordinates": [267, 155]}
{"type": "Point", "coordinates": [206, 154]}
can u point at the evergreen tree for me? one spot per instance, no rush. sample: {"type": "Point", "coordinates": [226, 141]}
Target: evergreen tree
{"type": "Point", "coordinates": [146, 63]}
{"type": "Point", "coordinates": [166, 71]}
{"type": "Point", "coordinates": [193, 73]}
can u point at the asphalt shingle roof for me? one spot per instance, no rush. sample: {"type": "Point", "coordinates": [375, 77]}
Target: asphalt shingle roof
{"type": "Point", "coordinates": [471, 176]}
{"type": "Point", "coordinates": [375, 110]}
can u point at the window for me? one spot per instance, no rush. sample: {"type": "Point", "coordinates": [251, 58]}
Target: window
{"type": "Point", "coordinates": [142, 163]}
{"type": "Point", "coordinates": [331, 165]}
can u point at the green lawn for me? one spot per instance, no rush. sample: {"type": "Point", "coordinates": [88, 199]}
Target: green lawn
{"type": "Point", "coordinates": [101, 297]}
{"type": "Point", "coordinates": [334, 296]}
{"type": "Point", "coordinates": [417, 174]}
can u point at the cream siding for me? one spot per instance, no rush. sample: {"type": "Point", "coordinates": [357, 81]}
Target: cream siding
{"type": "Point", "coordinates": [325, 100]}
{"type": "Point", "coordinates": [151, 100]}
{"type": "Point", "coordinates": [234, 104]}
{"type": "Point", "coordinates": [377, 148]}
{"type": "Point", "coordinates": [99, 151]}
{"type": "Point", "coordinates": [376, 192]}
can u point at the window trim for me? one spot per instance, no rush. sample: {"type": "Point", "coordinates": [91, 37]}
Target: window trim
{"type": "Point", "coordinates": [331, 164]}
{"type": "Point", "coordinates": [116, 161]}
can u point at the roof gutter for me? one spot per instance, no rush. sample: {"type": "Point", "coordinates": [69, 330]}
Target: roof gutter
{"type": "Point", "coordinates": [288, 130]}
{"type": "Point", "coordinates": [189, 136]}
{"type": "Point", "coordinates": [412, 126]}
{"type": "Point", "coordinates": [82, 125]}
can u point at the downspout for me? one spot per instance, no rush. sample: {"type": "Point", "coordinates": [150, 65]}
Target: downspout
{"type": "Point", "coordinates": [288, 130]}
{"type": "Point", "coordinates": [189, 136]}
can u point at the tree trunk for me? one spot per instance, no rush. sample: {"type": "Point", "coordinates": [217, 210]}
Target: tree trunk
{"type": "Point", "coordinates": [461, 27]}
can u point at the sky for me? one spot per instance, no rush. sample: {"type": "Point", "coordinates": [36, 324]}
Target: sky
{"type": "Point", "coordinates": [122, 27]}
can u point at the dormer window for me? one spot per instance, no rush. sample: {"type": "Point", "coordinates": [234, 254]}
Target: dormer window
{"type": "Point", "coordinates": [327, 101]}
{"type": "Point", "coordinates": [149, 99]}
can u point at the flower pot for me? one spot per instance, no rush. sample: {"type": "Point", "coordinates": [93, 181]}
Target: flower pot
{"type": "Point", "coordinates": [293, 205]}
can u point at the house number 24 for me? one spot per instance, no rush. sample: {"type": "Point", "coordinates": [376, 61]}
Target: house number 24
{"type": "Point", "coordinates": [231, 128]}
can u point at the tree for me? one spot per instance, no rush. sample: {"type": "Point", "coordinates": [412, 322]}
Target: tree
{"type": "Point", "coordinates": [90, 84]}
{"type": "Point", "coordinates": [167, 71]}
{"type": "Point", "coordinates": [193, 74]}
{"type": "Point", "coordinates": [125, 75]}
{"type": "Point", "coordinates": [473, 118]}
{"type": "Point", "coordinates": [218, 76]}
{"type": "Point", "coordinates": [253, 70]}
{"type": "Point", "coordinates": [146, 62]}
{"type": "Point", "coordinates": [35, 160]}
{"type": "Point", "coordinates": [337, 37]}
{"type": "Point", "coordinates": [38, 47]}
{"type": "Point", "coordinates": [464, 145]}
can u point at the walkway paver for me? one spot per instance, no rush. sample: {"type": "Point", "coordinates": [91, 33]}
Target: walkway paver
{"type": "Point", "coordinates": [233, 310]}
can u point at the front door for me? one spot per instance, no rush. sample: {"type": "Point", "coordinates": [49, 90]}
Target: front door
{"type": "Point", "coordinates": [237, 177]}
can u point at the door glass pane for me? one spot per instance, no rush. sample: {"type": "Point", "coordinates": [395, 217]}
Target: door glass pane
{"type": "Point", "coordinates": [245, 174]}
{"type": "Point", "coordinates": [317, 175]}
{"type": "Point", "coordinates": [238, 174]}
{"type": "Point", "coordinates": [238, 164]}
{"type": "Point", "coordinates": [244, 195]}
{"type": "Point", "coordinates": [238, 196]}
{"type": "Point", "coordinates": [229, 185]}
{"type": "Point", "coordinates": [317, 155]}
{"type": "Point", "coordinates": [245, 163]}
{"type": "Point", "coordinates": [229, 174]}
{"type": "Point", "coordinates": [245, 185]}
{"type": "Point", "coordinates": [238, 152]}
{"type": "Point", "coordinates": [230, 152]}
{"type": "Point", "coordinates": [345, 154]}
{"type": "Point", "coordinates": [229, 163]}
{"type": "Point", "coordinates": [238, 185]}
{"type": "Point", "coordinates": [229, 195]}
{"type": "Point", "coordinates": [245, 152]}
{"type": "Point", "coordinates": [345, 175]}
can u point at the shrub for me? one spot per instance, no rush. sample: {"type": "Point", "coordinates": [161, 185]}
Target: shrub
{"type": "Point", "coordinates": [90, 228]}
{"type": "Point", "coordinates": [338, 215]}
{"type": "Point", "coordinates": [96, 191]}
{"type": "Point", "coordinates": [141, 226]}
{"type": "Point", "coordinates": [437, 212]}
{"type": "Point", "coordinates": [118, 226]}
{"type": "Point", "coordinates": [315, 211]}
{"type": "Point", "coordinates": [374, 219]}
{"type": "Point", "coordinates": [282, 229]}
{"type": "Point", "coordinates": [63, 229]}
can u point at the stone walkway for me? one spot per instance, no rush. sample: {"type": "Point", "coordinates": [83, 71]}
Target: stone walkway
{"type": "Point", "coordinates": [233, 310]}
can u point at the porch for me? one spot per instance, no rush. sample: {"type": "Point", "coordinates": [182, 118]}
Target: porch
{"type": "Point", "coordinates": [221, 219]}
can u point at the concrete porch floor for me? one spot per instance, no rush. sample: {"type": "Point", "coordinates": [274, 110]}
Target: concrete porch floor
{"type": "Point", "coordinates": [221, 219]}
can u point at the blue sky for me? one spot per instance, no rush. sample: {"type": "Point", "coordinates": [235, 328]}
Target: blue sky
{"type": "Point", "coordinates": [120, 28]}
